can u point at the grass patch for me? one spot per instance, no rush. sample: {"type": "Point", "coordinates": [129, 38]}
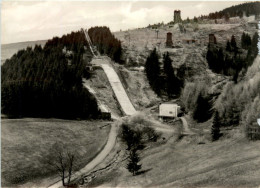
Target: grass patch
{"type": "Point", "coordinates": [26, 144]}
{"type": "Point", "coordinates": [228, 162]}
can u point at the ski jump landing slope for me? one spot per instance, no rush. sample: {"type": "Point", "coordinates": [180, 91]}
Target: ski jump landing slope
{"type": "Point", "coordinates": [116, 85]}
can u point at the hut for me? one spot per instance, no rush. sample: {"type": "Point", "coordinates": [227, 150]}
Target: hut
{"type": "Point", "coordinates": [168, 110]}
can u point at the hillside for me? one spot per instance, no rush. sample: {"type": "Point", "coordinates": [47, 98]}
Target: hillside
{"type": "Point", "coordinates": [47, 81]}
{"type": "Point", "coordinates": [142, 41]}
{"type": "Point", "coordinates": [8, 50]}
{"type": "Point", "coordinates": [238, 104]}
{"type": "Point", "coordinates": [230, 162]}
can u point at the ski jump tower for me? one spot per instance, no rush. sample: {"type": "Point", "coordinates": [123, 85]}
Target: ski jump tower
{"type": "Point", "coordinates": [91, 46]}
{"type": "Point", "coordinates": [177, 16]}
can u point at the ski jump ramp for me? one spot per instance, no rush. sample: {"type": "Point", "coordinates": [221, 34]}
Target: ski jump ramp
{"type": "Point", "coordinates": [116, 85]}
{"type": "Point", "coordinates": [113, 79]}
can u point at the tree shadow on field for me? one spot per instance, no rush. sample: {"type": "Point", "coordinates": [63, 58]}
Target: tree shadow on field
{"type": "Point", "coordinates": [143, 171]}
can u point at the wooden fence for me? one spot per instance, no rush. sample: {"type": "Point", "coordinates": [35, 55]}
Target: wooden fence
{"type": "Point", "coordinates": [253, 132]}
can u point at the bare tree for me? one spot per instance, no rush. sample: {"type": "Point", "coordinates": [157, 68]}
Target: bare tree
{"type": "Point", "coordinates": [71, 158]}
{"type": "Point", "coordinates": [62, 161]}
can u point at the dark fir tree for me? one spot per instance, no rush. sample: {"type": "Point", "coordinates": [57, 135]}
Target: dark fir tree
{"type": "Point", "coordinates": [152, 69]}
{"type": "Point", "coordinates": [233, 43]}
{"type": "Point", "coordinates": [215, 129]}
{"type": "Point", "coordinates": [220, 61]}
{"type": "Point", "coordinates": [245, 41]}
{"type": "Point", "coordinates": [228, 46]}
{"type": "Point", "coordinates": [173, 84]}
{"type": "Point", "coordinates": [133, 165]}
{"type": "Point", "coordinates": [202, 111]}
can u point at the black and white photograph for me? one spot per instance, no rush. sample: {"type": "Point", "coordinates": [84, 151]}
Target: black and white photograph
{"type": "Point", "coordinates": [130, 94]}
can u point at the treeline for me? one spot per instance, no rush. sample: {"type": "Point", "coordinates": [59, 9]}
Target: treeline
{"type": "Point", "coordinates": [250, 8]}
{"type": "Point", "coordinates": [45, 82]}
{"type": "Point", "coordinates": [106, 42]}
{"type": "Point", "coordinates": [239, 104]}
{"type": "Point", "coordinates": [162, 81]}
{"type": "Point", "coordinates": [231, 60]}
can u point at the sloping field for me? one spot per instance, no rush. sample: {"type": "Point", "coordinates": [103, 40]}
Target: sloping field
{"type": "Point", "coordinates": [26, 146]}
{"type": "Point", "coordinates": [230, 162]}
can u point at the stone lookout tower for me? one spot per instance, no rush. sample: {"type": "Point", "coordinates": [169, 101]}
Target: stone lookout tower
{"type": "Point", "coordinates": [212, 39]}
{"type": "Point", "coordinates": [169, 42]}
{"type": "Point", "coordinates": [177, 16]}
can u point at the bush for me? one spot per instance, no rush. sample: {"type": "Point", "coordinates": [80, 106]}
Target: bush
{"type": "Point", "coordinates": [132, 138]}
{"type": "Point", "coordinates": [138, 129]}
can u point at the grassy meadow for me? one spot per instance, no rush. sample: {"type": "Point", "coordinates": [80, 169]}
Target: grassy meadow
{"type": "Point", "coordinates": [192, 161]}
{"type": "Point", "coordinates": [26, 145]}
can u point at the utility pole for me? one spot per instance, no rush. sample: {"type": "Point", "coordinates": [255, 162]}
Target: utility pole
{"type": "Point", "coordinates": [157, 31]}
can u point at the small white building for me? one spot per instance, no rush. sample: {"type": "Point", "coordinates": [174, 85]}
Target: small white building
{"type": "Point", "coordinates": [168, 110]}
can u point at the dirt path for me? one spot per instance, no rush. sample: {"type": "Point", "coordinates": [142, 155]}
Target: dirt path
{"type": "Point", "coordinates": [99, 158]}
{"type": "Point", "coordinates": [186, 127]}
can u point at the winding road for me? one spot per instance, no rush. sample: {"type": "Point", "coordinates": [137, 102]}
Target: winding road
{"type": "Point", "coordinates": [99, 158]}
{"type": "Point", "coordinates": [126, 106]}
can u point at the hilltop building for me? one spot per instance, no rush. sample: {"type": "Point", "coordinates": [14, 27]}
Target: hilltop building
{"type": "Point", "coordinates": [212, 39]}
{"type": "Point", "coordinates": [177, 16]}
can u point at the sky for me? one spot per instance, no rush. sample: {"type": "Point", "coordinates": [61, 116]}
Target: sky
{"type": "Point", "coordinates": [40, 20]}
